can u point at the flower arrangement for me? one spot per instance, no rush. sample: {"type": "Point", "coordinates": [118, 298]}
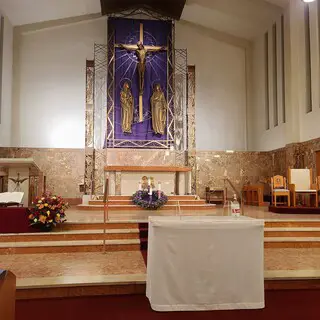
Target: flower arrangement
{"type": "Point", "coordinates": [48, 211]}
{"type": "Point", "coordinates": [150, 202]}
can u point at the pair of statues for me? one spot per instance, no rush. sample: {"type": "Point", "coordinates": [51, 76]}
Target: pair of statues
{"type": "Point", "coordinates": [158, 109]}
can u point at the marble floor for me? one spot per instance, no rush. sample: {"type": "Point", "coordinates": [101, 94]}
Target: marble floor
{"type": "Point", "coordinates": [74, 264]}
{"type": "Point", "coordinates": [76, 268]}
{"type": "Point", "coordinates": [54, 269]}
{"type": "Point", "coordinates": [74, 215]}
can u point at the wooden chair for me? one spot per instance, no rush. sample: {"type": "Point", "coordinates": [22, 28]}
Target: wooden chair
{"type": "Point", "coordinates": [300, 182]}
{"type": "Point", "coordinates": [279, 188]}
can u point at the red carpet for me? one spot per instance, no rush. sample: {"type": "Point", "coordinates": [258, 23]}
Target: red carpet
{"type": "Point", "coordinates": [294, 210]}
{"type": "Point", "coordinates": [143, 235]}
{"type": "Point", "coordinates": [280, 305]}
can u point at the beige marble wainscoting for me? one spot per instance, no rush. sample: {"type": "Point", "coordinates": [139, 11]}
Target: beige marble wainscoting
{"type": "Point", "coordinates": [65, 168]}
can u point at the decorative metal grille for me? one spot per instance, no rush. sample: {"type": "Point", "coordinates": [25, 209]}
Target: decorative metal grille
{"type": "Point", "coordinates": [111, 142]}
{"type": "Point", "coordinates": [100, 108]}
{"type": "Point", "coordinates": [191, 126]}
{"type": "Point", "coordinates": [100, 93]}
{"type": "Point", "coordinates": [101, 103]}
{"type": "Point", "coordinates": [180, 108]}
{"type": "Point", "coordinates": [140, 13]}
{"type": "Point", "coordinates": [89, 138]}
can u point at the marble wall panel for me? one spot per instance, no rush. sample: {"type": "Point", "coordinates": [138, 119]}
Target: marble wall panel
{"type": "Point", "coordinates": [239, 167]}
{"type": "Point", "coordinates": [63, 168]}
{"type": "Point", "coordinates": [279, 162]}
{"type": "Point", "coordinates": [137, 157]}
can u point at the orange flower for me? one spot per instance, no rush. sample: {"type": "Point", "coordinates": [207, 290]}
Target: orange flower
{"type": "Point", "coordinates": [42, 219]}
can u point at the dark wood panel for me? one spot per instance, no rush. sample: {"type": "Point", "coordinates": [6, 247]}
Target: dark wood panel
{"type": "Point", "coordinates": [318, 163]}
{"type": "Point", "coordinates": [170, 8]}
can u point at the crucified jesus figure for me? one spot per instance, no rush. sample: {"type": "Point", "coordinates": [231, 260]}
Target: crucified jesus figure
{"type": "Point", "coordinates": [141, 52]}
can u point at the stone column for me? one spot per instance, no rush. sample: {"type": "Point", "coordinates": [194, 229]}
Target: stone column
{"type": "Point", "coordinates": [112, 182]}
{"type": "Point", "coordinates": [181, 183]}
{"type": "Point", "coordinates": [118, 183]}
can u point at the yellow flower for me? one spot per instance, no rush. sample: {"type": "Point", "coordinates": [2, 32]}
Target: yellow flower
{"type": "Point", "coordinates": [35, 220]}
{"type": "Point", "coordinates": [45, 204]}
{"type": "Point", "coordinates": [48, 213]}
{"type": "Point", "coordinates": [58, 215]}
{"type": "Point", "coordinates": [39, 201]}
{"type": "Point", "coordinates": [50, 221]}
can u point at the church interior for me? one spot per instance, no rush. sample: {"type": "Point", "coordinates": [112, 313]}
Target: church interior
{"type": "Point", "coordinates": [159, 156]}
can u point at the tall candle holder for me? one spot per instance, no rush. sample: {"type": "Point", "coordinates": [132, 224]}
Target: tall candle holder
{"type": "Point", "coordinates": [159, 190]}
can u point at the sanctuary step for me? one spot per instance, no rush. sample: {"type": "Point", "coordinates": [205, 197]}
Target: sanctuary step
{"type": "Point", "coordinates": [133, 236]}
{"type": "Point", "coordinates": [171, 197]}
{"type": "Point", "coordinates": [119, 203]}
{"type": "Point", "coordinates": [73, 235]}
{"type": "Point", "coordinates": [129, 202]}
{"type": "Point", "coordinates": [274, 237]}
{"type": "Point", "coordinates": [132, 207]}
{"type": "Point", "coordinates": [273, 223]}
{"type": "Point", "coordinates": [68, 246]}
{"type": "Point", "coordinates": [292, 232]}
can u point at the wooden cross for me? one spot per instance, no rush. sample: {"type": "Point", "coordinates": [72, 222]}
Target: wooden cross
{"type": "Point", "coordinates": [142, 55]}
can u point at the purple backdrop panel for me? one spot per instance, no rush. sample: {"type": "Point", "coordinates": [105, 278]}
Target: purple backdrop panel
{"type": "Point", "coordinates": [127, 31]}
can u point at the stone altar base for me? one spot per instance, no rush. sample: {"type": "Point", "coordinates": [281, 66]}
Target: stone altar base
{"type": "Point", "coordinates": [124, 203]}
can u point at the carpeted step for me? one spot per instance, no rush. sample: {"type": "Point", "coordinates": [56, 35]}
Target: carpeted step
{"type": "Point", "coordinates": [144, 244]}
{"type": "Point", "coordinates": [143, 233]}
{"type": "Point", "coordinates": [143, 225]}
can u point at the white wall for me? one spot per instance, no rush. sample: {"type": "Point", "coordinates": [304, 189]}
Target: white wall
{"type": "Point", "coordinates": [5, 122]}
{"type": "Point", "coordinates": [220, 88]}
{"type": "Point", "coordinates": [300, 126]}
{"type": "Point", "coordinates": [309, 122]}
{"type": "Point", "coordinates": [259, 137]}
{"type": "Point", "coordinates": [49, 84]}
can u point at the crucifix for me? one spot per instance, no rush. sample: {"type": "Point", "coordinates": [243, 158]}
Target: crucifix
{"type": "Point", "coordinates": [141, 51]}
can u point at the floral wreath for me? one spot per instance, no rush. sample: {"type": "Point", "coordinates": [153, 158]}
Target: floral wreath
{"type": "Point", "coordinates": [150, 202]}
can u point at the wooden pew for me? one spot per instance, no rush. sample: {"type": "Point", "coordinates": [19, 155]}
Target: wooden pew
{"type": "Point", "coordinates": [7, 295]}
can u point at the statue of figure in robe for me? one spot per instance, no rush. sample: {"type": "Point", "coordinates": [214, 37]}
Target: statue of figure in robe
{"type": "Point", "coordinates": [158, 110]}
{"type": "Point", "coordinates": [127, 103]}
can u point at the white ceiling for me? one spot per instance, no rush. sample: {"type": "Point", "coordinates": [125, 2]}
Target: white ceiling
{"type": "Point", "coordinates": [22, 12]}
{"type": "Point", "coordinates": [241, 18]}
{"type": "Point", "coordinates": [280, 3]}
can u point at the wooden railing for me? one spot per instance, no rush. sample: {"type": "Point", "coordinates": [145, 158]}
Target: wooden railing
{"type": "Point", "coordinates": [7, 295]}
{"type": "Point", "coordinates": [105, 211]}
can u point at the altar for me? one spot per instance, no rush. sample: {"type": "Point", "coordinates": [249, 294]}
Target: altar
{"type": "Point", "coordinates": [205, 263]}
{"type": "Point", "coordinates": [124, 180]}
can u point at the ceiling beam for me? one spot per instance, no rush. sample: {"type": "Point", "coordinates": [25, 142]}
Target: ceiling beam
{"type": "Point", "coordinates": [170, 8]}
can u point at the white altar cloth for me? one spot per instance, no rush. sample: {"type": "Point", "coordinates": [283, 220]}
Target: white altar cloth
{"type": "Point", "coordinates": [205, 263]}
